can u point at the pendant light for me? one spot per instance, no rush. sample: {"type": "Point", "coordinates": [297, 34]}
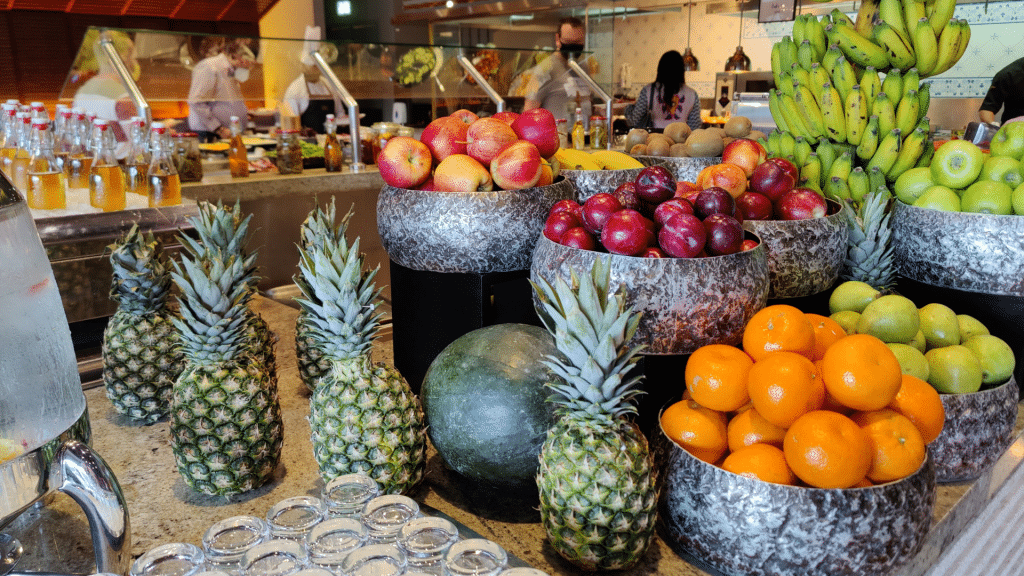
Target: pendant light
{"type": "Point", "coordinates": [690, 62]}
{"type": "Point", "coordinates": [738, 62]}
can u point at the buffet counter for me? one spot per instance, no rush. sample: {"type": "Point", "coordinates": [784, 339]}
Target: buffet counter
{"type": "Point", "coordinates": [164, 510]}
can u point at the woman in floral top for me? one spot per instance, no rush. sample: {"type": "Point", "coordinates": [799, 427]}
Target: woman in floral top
{"type": "Point", "coordinates": [668, 98]}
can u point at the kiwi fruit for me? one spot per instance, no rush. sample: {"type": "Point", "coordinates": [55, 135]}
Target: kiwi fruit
{"type": "Point", "coordinates": [678, 150]}
{"type": "Point", "coordinates": [678, 132]}
{"type": "Point", "coordinates": [636, 136]}
{"type": "Point", "coordinates": [658, 136]}
{"type": "Point", "coordinates": [659, 147]}
{"type": "Point", "coordinates": [704, 143]}
{"type": "Point", "coordinates": [638, 150]}
{"type": "Point", "coordinates": [737, 127]}
{"type": "Point", "coordinates": [755, 134]}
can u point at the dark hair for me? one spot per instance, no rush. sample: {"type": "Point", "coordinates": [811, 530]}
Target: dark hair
{"type": "Point", "coordinates": [572, 21]}
{"type": "Point", "coordinates": [671, 74]}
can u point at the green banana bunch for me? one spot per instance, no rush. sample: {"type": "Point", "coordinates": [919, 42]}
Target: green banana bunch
{"type": "Point", "coordinates": [801, 150]}
{"type": "Point", "coordinates": [907, 112]}
{"type": "Point", "coordinates": [808, 107]}
{"type": "Point", "coordinates": [926, 47]}
{"type": "Point", "coordinates": [844, 77]}
{"type": "Point", "coordinates": [787, 53]}
{"type": "Point", "coordinates": [832, 112]}
{"type": "Point", "coordinates": [800, 28]}
{"type": "Point", "coordinates": [870, 84]}
{"type": "Point", "coordinates": [892, 84]}
{"type": "Point", "coordinates": [866, 15]}
{"type": "Point", "coordinates": [794, 120]}
{"type": "Point", "coordinates": [897, 45]}
{"type": "Point", "coordinates": [965, 33]}
{"type": "Point", "coordinates": [890, 12]}
{"type": "Point", "coordinates": [913, 10]}
{"type": "Point", "coordinates": [837, 189]}
{"type": "Point", "coordinates": [952, 42]}
{"type": "Point", "coordinates": [838, 16]}
{"type": "Point", "coordinates": [814, 32]}
{"type": "Point", "coordinates": [805, 55]}
{"type": "Point", "coordinates": [860, 50]}
{"type": "Point", "coordinates": [776, 111]}
{"type": "Point", "coordinates": [776, 62]}
{"type": "Point", "coordinates": [810, 172]}
{"type": "Point", "coordinates": [801, 77]}
{"type": "Point", "coordinates": [869, 140]}
{"type": "Point", "coordinates": [827, 155]}
{"type": "Point", "coordinates": [842, 167]}
{"type": "Point", "coordinates": [876, 178]}
{"type": "Point", "coordinates": [785, 84]}
{"type": "Point", "coordinates": [910, 151]}
{"type": "Point", "coordinates": [857, 112]}
{"type": "Point", "coordinates": [911, 81]}
{"type": "Point", "coordinates": [787, 145]}
{"type": "Point", "coordinates": [939, 14]}
{"type": "Point", "coordinates": [885, 109]}
{"type": "Point", "coordinates": [858, 183]}
{"type": "Point", "coordinates": [924, 99]}
{"type": "Point", "coordinates": [926, 157]}
{"type": "Point", "coordinates": [829, 60]}
{"type": "Point", "coordinates": [888, 149]}
{"type": "Point", "coordinates": [819, 77]}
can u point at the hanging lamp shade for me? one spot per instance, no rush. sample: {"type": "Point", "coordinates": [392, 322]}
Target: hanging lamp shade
{"type": "Point", "coordinates": [738, 62]}
{"type": "Point", "coordinates": [690, 62]}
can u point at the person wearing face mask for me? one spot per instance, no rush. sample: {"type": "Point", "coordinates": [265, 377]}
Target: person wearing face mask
{"type": "Point", "coordinates": [552, 85]}
{"type": "Point", "coordinates": [216, 93]}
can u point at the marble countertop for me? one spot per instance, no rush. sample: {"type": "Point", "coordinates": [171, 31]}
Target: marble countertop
{"type": "Point", "coordinates": [163, 509]}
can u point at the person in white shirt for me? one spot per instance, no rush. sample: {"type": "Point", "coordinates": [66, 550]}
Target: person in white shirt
{"type": "Point", "coordinates": [310, 98]}
{"type": "Point", "coordinates": [104, 95]}
{"type": "Point", "coordinates": [216, 94]}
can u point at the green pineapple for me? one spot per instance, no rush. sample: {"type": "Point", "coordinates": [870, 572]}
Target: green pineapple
{"type": "Point", "coordinates": [226, 426]}
{"type": "Point", "coordinates": [869, 250]}
{"type": "Point", "coordinates": [140, 355]}
{"type": "Point", "coordinates": [363, 415]}
{"type": "Point", "coordinates": [317, 230]}
{"type": "Point", "coordinates": [597, 487]}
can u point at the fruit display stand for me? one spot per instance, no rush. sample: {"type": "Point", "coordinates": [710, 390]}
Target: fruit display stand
{"type": "Point", "coordinates": [590, 182]}
{"type": "Point", "coordinates": [682, 168]}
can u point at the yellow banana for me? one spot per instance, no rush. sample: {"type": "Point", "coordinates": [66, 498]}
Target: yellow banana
{"type": "Point", "coordinates": [949, 44]}
{"type": "Point", "coordinates": [808, 107]}
{"type": "Point", "coordinates": [907, 112]}
{"type": "Point", "coordinates": [837, 189]}
{"type": "Point", "coordinates": [897, 47]}
{"type": "Point", "coordinates": [794, 119]}
{"type": "Point", "coordinates": [869, 141]}
{"type": "Point", "coordinates": [799, 29]}
{"type": "Point", "coordinates": [572, 159]}
{"type": "Point", "coordinates": [866, 17]}
{"type": "Point", "coordinates": [805, 55]}
{"type": "Point", "coordinates": [815, 32]}
{"type": "Point", "coordinates": [844, 78]}
{"type": "Point", "coordinates": [819, 77]}
{"type": "Point", "coordinates": [615, 160]}
{"type": "Point", "coordinates": [858, 49]}
{"type": "Point", "coordinates": [810, 172]}
{"type": "Point", "coordinates": [926, 47]}
{"type": "Point", "coordinates": [829, 60]}
{"type": "Point", "coordinates": [891, 12]}
{"type": "Point", "coordinates": [965, 37]}
{"type": "Point", "coordinates": [924, 99]}
{"type": "Point", "coordinates": [787, 144]}
{"type": "Point", "coordinates": [842, 166]}
{"type": "Point", "coordinates": [888, 149]}
{"type": "Point", "coordinates": [911, 81]}
{"type": "Point", "coordinates": [884, 108]}
{"type": "Point", "coordinates": [827, 154]}
{"type": "Point", "coordinates": [833, 114]}
{"type": "Point", "coordinates": [801, 77]}
{"type": "Point", "coordinates": [785, 83]}
{"type": "Point", "coordinates": [773, 107]}
{"type": "Point", "coordinates": [870, 85]}
{"type": "Point", "coordinates": [942, 11]}
{"type": "Point", "coordinates": [856, 116]}
{"type": "Point", "coordinates": [912, 12]}
{"type": "Point", "coordinates": [858, 183]}
{"type": "Point", "coordinates": [837, 16]}
{"type": "Point", "coordinates": [801, 150]}
{"type": "Point", "coordinates": [892, 84]}
{"type": "Point", "coordinates": [911, 149]}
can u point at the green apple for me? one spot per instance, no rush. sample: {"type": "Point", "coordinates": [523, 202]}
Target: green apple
{"type": "Point", "coordinates": [912, 361]}
{"type": "Point", "coordinates": [847, 319]}
{"type": "Point", "coordinates": [1002, 169]}
{"type": "Point", "coordinates": [890, 318]}
{"type": "Point", "coordinates": [969, 326]}
{"type": "Point", "coordinates": [912, 183]}
{"type": "Point", "coordinates": [957, 163]}
{"type": "Point", "coordinates": [851, 295]}
{"type": "Point", "coordinates": [939, 325]}
{"type": "Point", "coordinates": [1008, 141]}
{"type": "Point", "coordinates": [1017, 200]}
{"type": "Point", "coordinates": [994, 355]}
{"type": "Point", "coordinates": [918, 342]}
{"type": "Point", "coordinates": [953, 369]}
{"type": "Point", "coordinates": [939, 197]}
{"type": "Point", "coordinates": [987, 197]}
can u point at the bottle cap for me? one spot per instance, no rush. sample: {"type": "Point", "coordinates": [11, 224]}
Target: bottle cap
{"type": "Point", "coordinates": [234, 118]}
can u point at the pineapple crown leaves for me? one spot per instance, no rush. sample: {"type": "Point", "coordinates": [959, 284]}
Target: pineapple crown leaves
{"type": "Point", "coordinates": [591, 327]}
{"type": "Point", "coordinates": [869, 257]}
{"type": "Point", "coordinates": [318, 227]}
{"type": "Point", "coordinates": [225, 230]}
{"type": "Point", "coordinates": [141, 281]}
{"type": "Point", "coordinates": [212, 306]}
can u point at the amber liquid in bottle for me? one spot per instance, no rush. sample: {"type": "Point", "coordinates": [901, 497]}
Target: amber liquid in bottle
{"type": "Point", "coordinates": [106, 187]}
{"type": "Point", "coordinates": [19, 171]}
{"type": "Point", "coordinates": [333, 155]}
{"type": "Point", "coordinates": [6, 161]}
{"type": "Point", "coordinates": [135, 178]}
{"type": "Point", "coordinates": [47, 190]}
{"type": "Point", "coordinates": [164, 190]}
{"type": "Point", "coordinates": [77, 170]}
{"type": "Point", "coordinates": [238, 160]}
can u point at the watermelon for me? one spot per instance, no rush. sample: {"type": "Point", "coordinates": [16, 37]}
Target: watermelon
{"type": "Point", "coordinates": [486, 403]}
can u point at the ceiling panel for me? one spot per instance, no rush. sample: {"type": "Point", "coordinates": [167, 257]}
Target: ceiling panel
{"type": "Point", "coordinates": [196, 10]}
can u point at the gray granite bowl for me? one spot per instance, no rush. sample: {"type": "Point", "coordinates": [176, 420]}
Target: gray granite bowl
{"type": "Point", "coordinates": [960, 250]}
{"type": "Point", "coordinates": [683, 168]}
{"type": "Point", "coordinates": [743, 526]}
{"type": "Point", "coordinates": [804, 256]}
{"type": "Point", "coordinates": [685, 303]}
{"type": "Point", "coordinates": [590, 182]}
{"type": "Point", "coordinates": [471, 232]}
{"type": "Point", "coordinates": [978, 429]}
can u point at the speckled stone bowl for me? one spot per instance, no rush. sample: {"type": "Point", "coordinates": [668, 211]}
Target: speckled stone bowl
{"type": "Point", "coordinates": [978, 429]}
{"type": "Point", "coordinates": [471, 232]}
{"type": "Point", "coordinates": [683, 168]}
{"type": "Point", "coordinates": [804, 256]}
{"type": "Point", "coordinates": [590, 182]}
{"type": "Point", "coordinates": [742, 526]}
{"type": "Point", "coordinates": [973, 252]}
{"type": "Point", "coordinates": [685, 303]}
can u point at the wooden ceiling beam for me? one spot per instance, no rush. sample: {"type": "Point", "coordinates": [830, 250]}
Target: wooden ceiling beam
{"type": "Point", "coordinates": [225, 10]}
{"type": "Point", "coordinates": [174, 13]}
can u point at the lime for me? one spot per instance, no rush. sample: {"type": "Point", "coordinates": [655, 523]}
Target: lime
{"type": "Point", "coordinates": [954, 369]}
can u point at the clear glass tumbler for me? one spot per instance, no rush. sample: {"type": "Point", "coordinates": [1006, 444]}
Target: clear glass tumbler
{"type": "Point", "coordinates": [425, 541]}
{"type": "Point", "coordinates": [385, 516]}
{"type": "Point", "coordinates": [331, 541]}
{"type": "Point", "coordinates": [225, 542]}
{"type": "Point", "coordinates": [293, 518]}
{"type": "Point", "coordinates": [375, 560]}
{"type": "Point", "coordinates": [348, 494]}
{"type": "Point", "coordinates": [177, 559]}
{"type": "Point", "coordinates": [279, 557]}
{"type": "Point", "coordinates": [475, 557]}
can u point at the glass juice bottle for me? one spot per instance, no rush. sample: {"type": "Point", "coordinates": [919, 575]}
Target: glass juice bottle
{"type": "Point", "coordinates": [61, 144]}
{"type": "Point", "coordinates": [136, 164]}
{"type": "Point", "coordinates": [10, 139]}
{"type": "Point", "coordinates": [238, 156]}
{"type": "Point", "coordinates": [19, 164]}
{"type": "Point", "coordinates": [164, 182]}
{"type": "Point", "coordinates": [79, 162]}
{"type": "Point", "coordinates": [106, 179]}
{"type": "Point", "coordinates": [333, 154]}
{"type": "Point", "coordinates": [579, 135]}
{"type": "Point", "coordinates": [47, 187]}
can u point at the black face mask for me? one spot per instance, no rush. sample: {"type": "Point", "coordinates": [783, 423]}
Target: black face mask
{"type": "Point", "coordinates": [573, 50]}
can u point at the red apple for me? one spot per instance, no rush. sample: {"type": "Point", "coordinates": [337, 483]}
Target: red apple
{"type": "Point", "coordinates": [486, 137]}
{"type": "Point", "coordinates": [682, 236]}
{"type": "Point", "coordinates": [428, 186]}
{"type": "Point", "coordinates": [772, 179]}
{"type": "Point", "coordinates": [567, 206]}
{"type": "Point", "coordinates": [465, 116]}
{"type": "Point", "coordinates": [507, 117]}
{"type": "Point", "coordinates": [627, 195]}
{"type": "Point", "coordinates": [578, 238]}
{"type": "Point", "coordinates": [655, 184]}
{"type": "Point", "coordinates": [683, 187]}
{"type": "Point", "coordinates": [725, 235]}
{"type": "Point", "coordinates": [749, 244]}
{"type": "Point", "coordinates": [597, 210]}
{"type": "Point", "coordinates": [728, 176]}
{"type": "Point", "coordinates": [518, 166]}
{"type": "Point", "coordinates": [670, 208]}
{"type": "Point", "coordinates": [714, 200]}
{"type": "Point", "coordinates": [745, 153]}
{"type": "Point", "coordinates": [445, 136]}
{"type": "Point", "coordinates": [558, 223]}
{"type": "Point", "coordinates": [801, 204]}
{"type": "Point", "coordinates": [652, 252]}
{"type": "Point", "coordinates": [538, 126]}
{"type": "Point", "coordinates": [754, 206]}
{"type": "Point", "coordinates": [461, 173]}
{"type": "Point", "coordinates": [405, 162]}
{"type": "Point", "coordinates": [627, 232]}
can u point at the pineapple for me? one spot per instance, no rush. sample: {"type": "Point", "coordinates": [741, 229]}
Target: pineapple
{"type": "Point", "coordinates": [317, 230]}
{"type": "Point", "coordinates": [596, 479]}
{"type": "Point", "coordinates": [869, 250]}
{"type": "Point", "coordinates": [363, 416]}
{"type": "Point", "coordinates": [226, 426]}
{"type": "Point", "coordinates": [141, 359]}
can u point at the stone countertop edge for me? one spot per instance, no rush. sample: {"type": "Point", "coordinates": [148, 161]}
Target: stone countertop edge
{"type": "Point", "coordinates": [164, 510]}
{"type": "Point", "coordinates": [313, 181]}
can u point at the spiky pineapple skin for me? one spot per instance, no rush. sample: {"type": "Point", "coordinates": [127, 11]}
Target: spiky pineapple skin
{"type": "Point", "coordinates": [598, 492]}
{"type": "Point", "coordinates": [141, 361]}
{"type": "Point", "coordinates": [313, 364]}
{"type": "Point", "coordinates": [365, 418]}
{"type": "Point", "coordinates": [226, 427]}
